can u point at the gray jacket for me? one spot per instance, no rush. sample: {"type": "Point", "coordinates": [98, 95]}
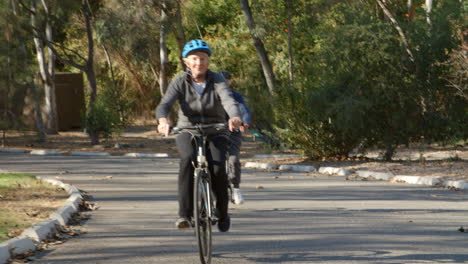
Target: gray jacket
{"type": "Point", "coordinates": [210, 107]}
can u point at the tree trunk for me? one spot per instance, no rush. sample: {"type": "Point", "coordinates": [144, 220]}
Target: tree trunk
{"type": "Point", "coordinates": [410, 10]}
{"type": "Point", "coordinates": [51, 71]}
{"type": "Point", "coordinates": [41, 131]}
{"type": "Point", "coordinates": [50, 105]}
{"type": "Point", "coordinates": [89, 69]}
{"type": "Point", "coordinates": [428, 11]}
{"type": "Point", "coordinates": [90, 59]}
{"type": "Point", "coordinates": [163, 48]}
{"type": "Point", "coordinates": [90, 75]}
{"type": "Point", "coordinates": [41, 135]}
{"type": "Point", "coordinates": [109, 63]}
{"type": "Point", "coordinates": [290, 49]}
{"type": "Point", "coordinates": [266, 65]}
{"type": "Point", "coordinates": [179, 32]}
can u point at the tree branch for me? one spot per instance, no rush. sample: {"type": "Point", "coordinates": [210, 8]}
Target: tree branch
{"type": "Point", "coordinates": [64, 49]}
{"type": "Point", "coordinates": [398, 28]}
{"type": "Point", "coordinates": [63, 60]}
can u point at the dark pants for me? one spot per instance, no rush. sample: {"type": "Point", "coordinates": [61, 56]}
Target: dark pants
{"type": "Point", "coordinates": [216, 156]}
{"type": "Point", "coordinates": [234, 171]}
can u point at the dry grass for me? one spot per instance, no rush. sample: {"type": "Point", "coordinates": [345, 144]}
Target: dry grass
{"type": "Point", "coordinates": [24, 200]}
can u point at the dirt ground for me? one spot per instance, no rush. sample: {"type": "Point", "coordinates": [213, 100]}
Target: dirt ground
{"type": "Point", "coordinates": [26, 204]}
{"type": "Point", "coordinates": [144, 139]}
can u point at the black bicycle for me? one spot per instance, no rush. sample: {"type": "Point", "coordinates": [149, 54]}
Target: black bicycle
{"type": "Point", "coordinates": [203, 198]}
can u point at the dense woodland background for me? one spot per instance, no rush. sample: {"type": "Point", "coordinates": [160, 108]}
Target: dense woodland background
{"type": "Point", "coordinates": [323, 76]}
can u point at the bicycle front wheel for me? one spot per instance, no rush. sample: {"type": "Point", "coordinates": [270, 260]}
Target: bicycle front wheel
{"type": "Point", "coordinates": [202, 207]}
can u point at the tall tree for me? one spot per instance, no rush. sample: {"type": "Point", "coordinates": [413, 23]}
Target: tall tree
{"type": "Point", "coordinates": [428, 11]}
{"type": "Point", "coordinates": [18, 71]}
{"type": "Point", "coordinates": [51, 100]}
{"type": "Point", "coordinates": [162, 46]}
{"type": "Point", "coordinates": [42, 33]}
{"type": "Point", "coordinates": [179, 31]}
{"type": "Point", "coordinates": [290, 48]}
{"type": "Point", "coordinates": [68, 56]}
{"type": "Point", "coordinates": [259, 46]}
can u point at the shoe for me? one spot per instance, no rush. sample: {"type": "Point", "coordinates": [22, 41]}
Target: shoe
{"type": "Point", "coordinates": [237, 196]}
{"type": "Point", "coordinates": [183, 222]}
{"type": "Point", "coordinates": [224, 224]}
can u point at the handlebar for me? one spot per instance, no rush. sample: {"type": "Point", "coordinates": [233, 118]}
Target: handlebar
{"type": "Point", "coordinates": [199, 127]}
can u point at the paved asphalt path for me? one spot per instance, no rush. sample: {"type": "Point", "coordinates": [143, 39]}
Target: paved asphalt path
{"type": "Point", "coordinates": [295, 218]}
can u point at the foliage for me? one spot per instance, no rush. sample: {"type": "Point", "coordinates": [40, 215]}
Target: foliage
{"type": "Point", "coordinates": [130, 33]}
{"type": "Point", "coordinates": [15, 56]}
{"type": "Point", "coordinates": [102, 117]}
{"type": "Point", "coordinates": [354, 84]}
{"type": "Point", "coordinates": [365, 92]}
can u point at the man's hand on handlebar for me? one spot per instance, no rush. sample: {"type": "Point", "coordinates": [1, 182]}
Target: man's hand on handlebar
{"type": "Point", "coordinates": [244, 127]}
{"type": "Point", "coordinates": [163, 126]}
{"type": "Point", "coordinates": [235, 122]}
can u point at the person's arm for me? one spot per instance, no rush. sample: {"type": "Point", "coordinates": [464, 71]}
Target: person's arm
{"type": "Point", "coordinates": [229, 104]}
{"type": "Point", "coordinates": [245, 112]}
{"type": "Point", "coordinates": [245, 115]}
{"type": "Point", "coordinates": [164, 108]}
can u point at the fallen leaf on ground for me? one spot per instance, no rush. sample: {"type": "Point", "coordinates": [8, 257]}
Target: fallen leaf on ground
{"type": "Point", "coordinates": [33, 213]}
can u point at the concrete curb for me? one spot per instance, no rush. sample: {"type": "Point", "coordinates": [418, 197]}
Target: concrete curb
{"type": "Point", "coordinates": [273, 166]}
{"type": "Point", "coordinates": [377, 175]}
{"type": "Point", "coordinates": [13, 150]}
{"type": "Point", "coordinates": [334, 171]}
{"type": "Point", "coordinates": [298, 168]}
{"type": "Point", "coordinates": [41, 230]}
{"type": "Point", "coordinates": [259, 165]}
{"type": "Point", "coordinates": [30, 238]}
{"type": "Point", "coordinates": [276, 156]}
{"type": "Point", "coordinates": [147, 155]}
{"type": "Point", "coordinates": [456, 184]}
{"type": "Point", "coordinates": [411, 156]}
{"type": "Point", "coordinates": [417, 180]}
{"type": "Point", "coordinates": [44, 152]}
{"type": "Point", "coordinates": [431, 181]}
{"type": "Point", "coordinates": [80, 153]}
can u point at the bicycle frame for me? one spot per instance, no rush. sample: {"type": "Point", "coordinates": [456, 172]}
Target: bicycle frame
{"type": "Point", "coordinates": [202, 165]}
{"type": "Point", "coordinates": [203, 197]}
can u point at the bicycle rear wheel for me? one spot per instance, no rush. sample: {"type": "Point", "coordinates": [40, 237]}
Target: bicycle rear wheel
{"type": "Point", "coordinates": [202, 217]}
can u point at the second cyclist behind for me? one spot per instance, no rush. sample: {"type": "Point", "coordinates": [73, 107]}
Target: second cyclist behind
{"type": "Point", "coordinates": [234, 171]}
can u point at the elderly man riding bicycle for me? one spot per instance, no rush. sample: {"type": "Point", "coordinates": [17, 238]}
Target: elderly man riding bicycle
{"type": "Point", "coordinates": [204, 98]}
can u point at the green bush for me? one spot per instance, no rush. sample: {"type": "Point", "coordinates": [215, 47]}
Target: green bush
{"type": "Point", "coordinates": [101, 118]}
{"type": "Point", "coordinates": [359, 88]}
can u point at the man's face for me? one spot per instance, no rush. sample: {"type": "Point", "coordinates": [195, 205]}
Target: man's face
{"type": "Point", "coordinates": [198, 62]}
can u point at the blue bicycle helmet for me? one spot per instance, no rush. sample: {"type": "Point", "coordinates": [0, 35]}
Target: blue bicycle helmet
{"type": "Point", "coordinates": [196, 44]}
